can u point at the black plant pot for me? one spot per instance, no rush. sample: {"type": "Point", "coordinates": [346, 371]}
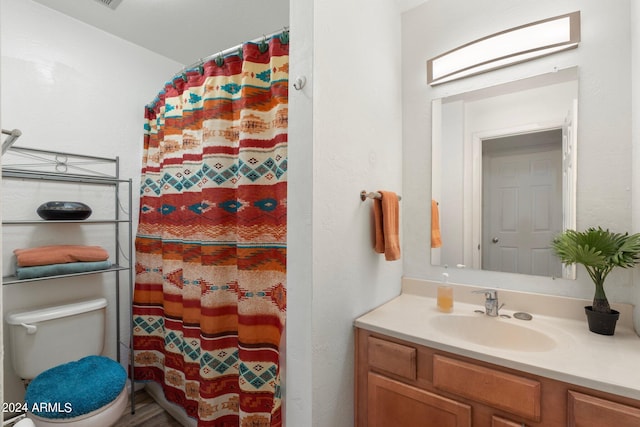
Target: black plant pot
{"type": "Point", "coordinates": [601, 323]}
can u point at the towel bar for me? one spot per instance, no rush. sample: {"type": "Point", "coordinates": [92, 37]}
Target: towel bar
{"type": "Point", "coordinates": [372, 195]}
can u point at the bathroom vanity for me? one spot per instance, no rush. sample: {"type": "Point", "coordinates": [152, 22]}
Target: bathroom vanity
{"type": "Point", "coordinates": [414, 369]}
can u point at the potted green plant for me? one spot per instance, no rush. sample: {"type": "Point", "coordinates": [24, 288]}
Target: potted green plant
{"type": "Point", "coordinates": [599, 251]}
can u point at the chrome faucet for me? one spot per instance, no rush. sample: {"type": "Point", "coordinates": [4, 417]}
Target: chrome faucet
{"type": "Point", "coordinates": [491, 302]}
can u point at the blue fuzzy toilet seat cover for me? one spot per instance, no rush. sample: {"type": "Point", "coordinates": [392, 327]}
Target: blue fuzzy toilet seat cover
{"type": "Point", "coordinates": [75, 388]}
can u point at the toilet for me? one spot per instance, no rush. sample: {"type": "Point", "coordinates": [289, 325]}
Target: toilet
{"type": "Point", "coordinates": [58, 348]}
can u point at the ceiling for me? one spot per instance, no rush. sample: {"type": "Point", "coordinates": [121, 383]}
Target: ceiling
{"type": "Point", "coordinates": [182, 30]}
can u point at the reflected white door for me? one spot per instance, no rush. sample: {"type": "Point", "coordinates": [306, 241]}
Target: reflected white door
{"type": "Point", "coordinates": [522, 204]}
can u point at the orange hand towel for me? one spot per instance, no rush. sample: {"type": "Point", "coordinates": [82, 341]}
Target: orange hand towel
{"type": "Point", "coordinates": [436, 239]}
{"type": "Point", "coordinates": [386, 215]}
{"type": "Point", "coordinates": [59, 254]}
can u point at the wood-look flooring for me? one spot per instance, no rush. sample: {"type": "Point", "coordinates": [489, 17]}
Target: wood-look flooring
{"type": "Point", "coordinates": [148, 414]}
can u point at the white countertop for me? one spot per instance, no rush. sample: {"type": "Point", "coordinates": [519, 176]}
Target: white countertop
{"type": "Point", "coordinates": [606, 363]}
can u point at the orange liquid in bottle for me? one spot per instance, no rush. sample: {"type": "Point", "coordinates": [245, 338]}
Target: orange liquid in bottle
{"type": "Point", "coordinates": [445, 299]}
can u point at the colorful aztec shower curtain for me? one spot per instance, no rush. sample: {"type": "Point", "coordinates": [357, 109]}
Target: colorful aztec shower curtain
{"type": "Point", "coordinates": [210, 294]}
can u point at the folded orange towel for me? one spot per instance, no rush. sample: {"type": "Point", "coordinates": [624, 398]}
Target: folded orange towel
{"type": "Point", "coordinates": [386, 215]}
{"type": "Point", "coordinates": [436, 239]}
{"type": "Point", "coordinates": [59, 254]}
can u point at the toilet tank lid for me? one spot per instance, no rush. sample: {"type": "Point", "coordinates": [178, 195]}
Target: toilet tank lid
{"type": "Point", "coordinates": [48, 313]}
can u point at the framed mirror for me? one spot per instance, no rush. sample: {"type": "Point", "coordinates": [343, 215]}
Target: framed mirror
{"type": "Point", "coordinates": [504, 174]}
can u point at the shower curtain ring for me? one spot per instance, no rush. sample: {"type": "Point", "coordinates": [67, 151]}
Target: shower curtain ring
{"type": "Point", "coordinates": [263, 46]}
{"type": "Point", "coordinates": [284, 36]}
{"type": "Point", "coordinates": [220, 60]}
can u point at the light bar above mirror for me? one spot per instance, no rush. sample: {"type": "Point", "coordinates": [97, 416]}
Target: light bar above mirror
{"type": "Point", "coordinates": [506, 48]}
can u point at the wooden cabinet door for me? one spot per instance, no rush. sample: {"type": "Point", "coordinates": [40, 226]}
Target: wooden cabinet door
{"type": "Point", "coordinates": [392, 403]}
{"type": "Point", "coordinates": [589, 411]}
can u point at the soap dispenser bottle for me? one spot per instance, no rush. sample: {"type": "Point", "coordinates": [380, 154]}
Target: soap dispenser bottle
{"type": "Point", "coordinates": [445, 295]}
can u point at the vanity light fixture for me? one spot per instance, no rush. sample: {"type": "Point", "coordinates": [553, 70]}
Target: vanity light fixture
{"type": "Point", "coordinates": [506, 48]}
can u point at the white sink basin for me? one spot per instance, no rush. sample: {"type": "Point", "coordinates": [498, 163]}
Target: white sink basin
{"type": "Point", "coordinates": [508, 334]}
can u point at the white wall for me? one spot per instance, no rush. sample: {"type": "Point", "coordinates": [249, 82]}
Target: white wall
{"type": "Point", "coordinates": [298, 352]}
{"type": "Point", "coordinates": [604, 146]}
{"type": "Point", "coordinates": [355, 145]}
{"type": "Point", "coordinates": [69, 87]}
{"type": "Point", "coordinates": [635, 140]}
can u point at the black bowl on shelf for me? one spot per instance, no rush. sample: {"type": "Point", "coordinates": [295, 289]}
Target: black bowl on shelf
{"type": "Point", "coordinates": [64, 211]}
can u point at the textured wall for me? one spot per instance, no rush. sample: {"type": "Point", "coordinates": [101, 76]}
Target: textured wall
{"type": "Point", "coordinates": [355, 145]}
{"type": "Point", "coordinates": [69, 87]}
{"type": "Point", "coordinates": [635, 158]}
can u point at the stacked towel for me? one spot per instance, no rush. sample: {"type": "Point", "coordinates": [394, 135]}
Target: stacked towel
{"type": "Point", "coordinates": [55, 260]}
{"type": "Point", "coordinates": [59, 269]}
{"type": "Point", "coordinates": [59, 254]}
{"type": "Point", "coordinates": [386, 215]}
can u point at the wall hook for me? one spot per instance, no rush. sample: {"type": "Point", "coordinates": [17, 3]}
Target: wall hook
{"type": "Point", "coordinates": [300, 83]}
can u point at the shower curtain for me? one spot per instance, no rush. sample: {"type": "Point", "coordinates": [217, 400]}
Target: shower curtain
{"type": "Point", "coordinates": [210, 293]}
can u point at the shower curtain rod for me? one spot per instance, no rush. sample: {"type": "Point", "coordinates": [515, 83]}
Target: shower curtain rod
{"type": "Point", "coordinates": [228, 51]}
{"type": "Point", "coordinates": [222, 54]}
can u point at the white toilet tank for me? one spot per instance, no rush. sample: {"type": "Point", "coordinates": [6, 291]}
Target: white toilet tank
{"type": "Point", "coordinates": [42, 338]}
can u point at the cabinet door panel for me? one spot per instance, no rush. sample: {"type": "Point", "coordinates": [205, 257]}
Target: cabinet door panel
{"type": "Point", "coordinates": [589, 411]}
{"type": "Point", "coordinates": [394, 358]}
{"type": "Point", "coordinates": [511, 393]}
{"type": "Point", "coordinates": [392, 403]}
{"type": "Point", "coordinates": [501, 422]}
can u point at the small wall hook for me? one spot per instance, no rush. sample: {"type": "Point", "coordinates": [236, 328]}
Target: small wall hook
{"type": "Point", "coordinates": [300, 83]}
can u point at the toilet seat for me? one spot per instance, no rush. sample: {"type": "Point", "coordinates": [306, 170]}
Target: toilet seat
{"type": "Point", "coordinates": [102, 417]}
{"type": "Point", "coordinates": [88, 392]}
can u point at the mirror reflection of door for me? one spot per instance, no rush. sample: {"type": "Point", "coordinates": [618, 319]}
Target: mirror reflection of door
{"type": "Point", "coordinates": [461, 124]}
{"type": "Point", "coordinates": [522, 202]}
